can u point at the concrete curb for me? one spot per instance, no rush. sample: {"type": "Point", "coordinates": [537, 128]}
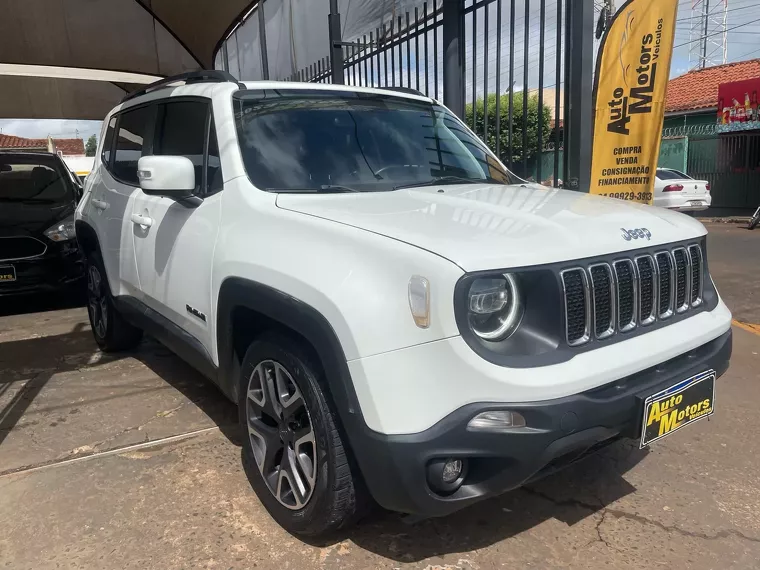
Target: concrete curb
{"type": "Point", "coordinates": [728, 220]}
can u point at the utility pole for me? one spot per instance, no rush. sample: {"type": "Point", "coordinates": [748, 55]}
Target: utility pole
{"type": "Point", "coordinates": [579, 78]}
{"type": "Point", "coordinates": [263, 42]}
{"type": "Point", "coordinates": [705, 12]}
{"type": "Point", "coordinates": [708, 34]}
{"type": "Point", "coordinates": [605, 9]}
{"type": "Point", "coordinates": [336, 44]}
{"type": "Point", "coordinates": [453, 56]}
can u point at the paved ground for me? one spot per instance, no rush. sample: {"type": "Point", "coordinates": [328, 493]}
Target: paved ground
{"type": "Point", "coordinates": [72, 497]}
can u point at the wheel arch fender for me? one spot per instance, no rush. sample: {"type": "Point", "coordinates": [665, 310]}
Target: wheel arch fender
{"type": "Point", "coordinates": [87, 237]}
{"type": "Point", "coordinates": [291, 314]}
{"type": "Point", "coordinates": [88, 241]}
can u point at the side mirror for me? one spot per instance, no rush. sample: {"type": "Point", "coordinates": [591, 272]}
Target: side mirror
{"type": "Point", "coordinates": [170, 176]}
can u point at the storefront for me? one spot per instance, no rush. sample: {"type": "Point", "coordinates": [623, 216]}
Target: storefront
{"type": "Point", "coordinates": [730, 159]}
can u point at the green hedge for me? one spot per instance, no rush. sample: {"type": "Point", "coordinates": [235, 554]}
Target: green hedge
{"type": "Point", "coordinates": [517, 126]}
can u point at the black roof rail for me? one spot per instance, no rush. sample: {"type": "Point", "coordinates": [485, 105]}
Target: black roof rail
{"type": "Point", "coordinates": [408, 90]}
{"type": "Point", "coordinates": [201, 76]}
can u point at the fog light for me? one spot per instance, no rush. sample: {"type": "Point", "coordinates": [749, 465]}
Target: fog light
{"type": "Point", "coordinates": [446, 475]}
{"type": "Point", "coordinates": [452, 469]}
{"type": "Point", "coordinates": [496, 420]}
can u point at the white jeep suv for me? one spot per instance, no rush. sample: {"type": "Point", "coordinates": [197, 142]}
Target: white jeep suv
{"type": "Point", "coordinates": [394, 312]}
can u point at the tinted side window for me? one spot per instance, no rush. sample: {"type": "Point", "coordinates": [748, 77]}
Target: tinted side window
{"type": "Point", "coordinates": [25, 179]}
{"type": "Point", "coordinates": [108, 141]}
{"type": "Point", "coordinates": [182, 132]}
{"type": "Point", "coordinates": [215, 182]}
{"type": "Point", "coordinates": [131, 143]}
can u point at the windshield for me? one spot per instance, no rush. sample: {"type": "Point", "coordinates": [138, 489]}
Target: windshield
{"type": "Point", "coordinates": [32, 179]}
{"type": "Point", "coordinates": [296, 140]}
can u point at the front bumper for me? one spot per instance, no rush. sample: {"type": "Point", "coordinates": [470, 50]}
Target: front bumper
{"type": "Point", "coordinates": [561, 431]}
{"type": "Point", "coordinates": [61, 265]}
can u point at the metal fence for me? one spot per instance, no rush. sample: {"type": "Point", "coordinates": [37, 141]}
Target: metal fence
{"type": "Point", "coordinates": [731, 163]}
{"type": "Point", "coordinates": [510, 62]}
{"type": "Point", "coordinates": [508, 50]}
{"type": "Point", "coordinates": [383, 58]}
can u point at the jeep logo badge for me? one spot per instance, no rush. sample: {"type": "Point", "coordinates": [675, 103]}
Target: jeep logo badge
{"type": "Point", "coordinates": [636, 233]}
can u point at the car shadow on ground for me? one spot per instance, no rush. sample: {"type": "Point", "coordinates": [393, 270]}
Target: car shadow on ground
{"type": "Point", "coordinates": [31, 362]}
{"type": "Point", "coordinates": [568, 496]}
{"type": "Point", "coordinates": [70, 298]}
{"type": "Point", "coordinates": [192, 384]}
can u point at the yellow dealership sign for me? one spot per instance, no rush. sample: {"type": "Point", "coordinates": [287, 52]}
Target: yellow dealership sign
{"type": "Point", "coordinates": [632, 73]}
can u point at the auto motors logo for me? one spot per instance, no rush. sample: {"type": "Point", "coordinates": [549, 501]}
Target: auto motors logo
{"type": "Point", "coordinates": [636, 233]}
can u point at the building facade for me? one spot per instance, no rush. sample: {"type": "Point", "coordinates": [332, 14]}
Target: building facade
{"type": "Point", "coordinates": [712, 131]}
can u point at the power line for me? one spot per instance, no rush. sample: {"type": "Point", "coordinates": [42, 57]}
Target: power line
{"type": "Point", "coordinates": [727, 11]}
{"type": "Point", "coordinates": [752, 52]}
{"type": "Point", "coordinates": [716, 33]}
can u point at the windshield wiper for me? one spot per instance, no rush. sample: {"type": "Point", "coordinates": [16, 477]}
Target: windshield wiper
{"type": "Point", "coordinates": [324, 189]}
{"type": "Point", "coordinates": [442, 180]}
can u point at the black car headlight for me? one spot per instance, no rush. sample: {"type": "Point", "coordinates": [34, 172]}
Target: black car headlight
{"type": "Point", "coordinates": [495, 307]}
{"type": "Point", "coordinates": [510, 317]}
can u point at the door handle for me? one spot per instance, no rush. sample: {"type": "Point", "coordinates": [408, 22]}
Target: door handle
{"type": "Point", "coordinates": [144, 221]}
{"type": "Point", "coordinates": [100, 204]}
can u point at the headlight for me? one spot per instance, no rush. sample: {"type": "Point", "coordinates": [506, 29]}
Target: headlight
{"type": "Point", "coordinates": [62, 231]}
{"type": "Point", "coordinates": [494, 306]}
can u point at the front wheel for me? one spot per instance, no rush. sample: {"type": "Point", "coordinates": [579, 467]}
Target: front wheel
{"type": "Point", "coordinates": [293, 453]}
{"type": "Point", "coordinates": [111, 331]}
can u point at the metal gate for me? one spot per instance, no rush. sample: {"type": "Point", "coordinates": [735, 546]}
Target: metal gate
{"type": "Point", "coordinates": [731, 163]}
{"type": "Point", "coordinates": [495, 63]}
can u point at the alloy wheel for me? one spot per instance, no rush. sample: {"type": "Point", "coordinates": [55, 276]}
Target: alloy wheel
{"type": "Point", "coordinates": [97, 304]}
{"type": "Point", "coordinates": [281, 434]}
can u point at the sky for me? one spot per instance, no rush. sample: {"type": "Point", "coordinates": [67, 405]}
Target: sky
{"type": "Point", "coordinates": [36, 129]}
{"type": "Point", "coordinates": [743, 21]}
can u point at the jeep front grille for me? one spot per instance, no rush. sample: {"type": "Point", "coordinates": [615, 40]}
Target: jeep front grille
{"type": "Point", "coordinates": [683, 273]}
{"type": "Point", "coordinates": [666, 277]}
{"type": "Point", "coordinates": [603, 300]}
{"type": "Point", "coordinates": [577, 306]}
{"type": "Point", "coordinates": [603, 305]}
{"type": "Point", "coordinates": [695, 256]}
{"type": "Point", "coordinates": [626, 294]}
{"type": "Point", "coordinates": [648, 283]}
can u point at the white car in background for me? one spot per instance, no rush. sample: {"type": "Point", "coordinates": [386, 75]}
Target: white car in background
{"type": "Point", "coordinates": [677, 191]}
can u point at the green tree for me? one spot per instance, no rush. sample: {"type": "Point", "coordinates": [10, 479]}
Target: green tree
{"type": "Point", "coordinates": [518, 125]}
{"type": "Point", "coordinates": [91, 145]}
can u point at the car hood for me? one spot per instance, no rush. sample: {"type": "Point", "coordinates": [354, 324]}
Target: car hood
{"type": "Point", "coordinates": [21, 219]}
{"type": "Point", "coordinates": [483, 226]}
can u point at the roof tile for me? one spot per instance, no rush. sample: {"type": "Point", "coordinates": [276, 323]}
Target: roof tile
{"type": "Point", "coordinates": [67, 146]}
{"type": "Point", "coordinates": [698, 89]}
{"type": "Point", "coordinates": [10, 141]}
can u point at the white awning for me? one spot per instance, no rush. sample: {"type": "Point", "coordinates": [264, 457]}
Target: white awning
{"type": "Point", "coordinates": [145, 37]}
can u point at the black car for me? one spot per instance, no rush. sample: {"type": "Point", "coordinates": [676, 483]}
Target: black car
{"type": "Point", "coordinates": [38, 248]}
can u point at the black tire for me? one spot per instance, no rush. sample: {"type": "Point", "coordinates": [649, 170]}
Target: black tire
{"type": "Point", "coordinates": [111, 331]}
{"type": "Point", "coordinates": [332, 500]}
{"type": "Point", "coordinates": [753, 222]}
